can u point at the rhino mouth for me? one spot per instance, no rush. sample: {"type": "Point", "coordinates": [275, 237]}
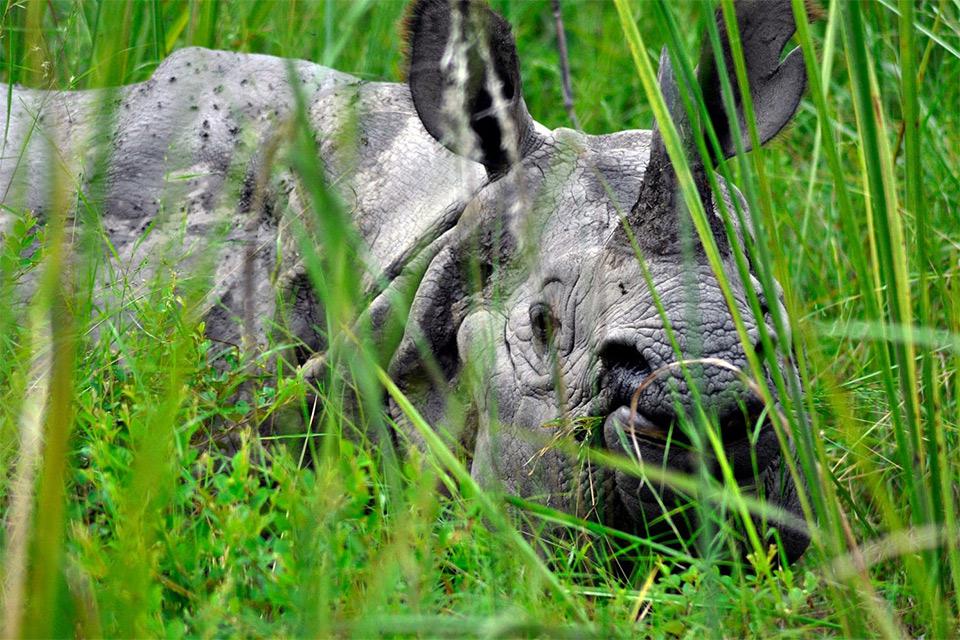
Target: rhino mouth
{"type": "Point", "coordinates": [747, 448]}
{"type": "Point", "coordinates": [634, 425]}
{"type": "Point", "coordinates": [639, 503]}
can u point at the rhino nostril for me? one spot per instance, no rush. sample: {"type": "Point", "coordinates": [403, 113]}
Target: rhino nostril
{"type": "Point", "coordinates": [623, 356]}
{"type": "Point", "coordinates": [624, 369]}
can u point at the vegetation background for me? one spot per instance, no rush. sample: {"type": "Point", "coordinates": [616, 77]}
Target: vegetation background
{"type": "Point", "coordinates": [133, 531]}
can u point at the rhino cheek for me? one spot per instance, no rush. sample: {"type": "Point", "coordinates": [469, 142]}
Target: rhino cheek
{"type": "Point", "coordinates": [484, 353]}
{"type": "Point", "coordinates": [509, 455]}
{"type": "Point", "coordinates": [506, 460]}
{"type": "Point", "coordinates": [511, 435]}
{"type": "Point", "coordinates": [487, 361]}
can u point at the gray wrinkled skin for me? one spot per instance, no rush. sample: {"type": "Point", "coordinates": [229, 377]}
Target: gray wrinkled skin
{"type": "Point", "coordinates": [185, 141]}
{"type": "Point", "coordinates": [596, 292]}
{"type": "Point", "coordinates": [546, 232]}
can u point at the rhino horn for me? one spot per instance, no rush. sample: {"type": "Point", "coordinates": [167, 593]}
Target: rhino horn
{"type": "Point", "coordinates": [775, 85]}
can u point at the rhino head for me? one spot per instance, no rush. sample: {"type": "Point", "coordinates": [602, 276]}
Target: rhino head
{"type": "Point", "coordinates": [540, 292]}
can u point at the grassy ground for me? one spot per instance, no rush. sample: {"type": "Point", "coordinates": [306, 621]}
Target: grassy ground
{"type": "Point", "coordinates": [134, 532]}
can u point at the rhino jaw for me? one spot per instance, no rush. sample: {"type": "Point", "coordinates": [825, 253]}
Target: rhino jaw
{"type": "Point", "coordinates": [665, 446]}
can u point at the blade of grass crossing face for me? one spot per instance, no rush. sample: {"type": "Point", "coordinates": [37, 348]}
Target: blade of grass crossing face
{"type": "Point", "coordinates": [490, 510]}
{"type": "Point", "coordinates": [759, 197]}
{"type": "Point", "coordinates": [683, 66]}
{"type": "Point", "coordinates": [810, 451]}
{"type": "Point", "coordinates": [694, 106]}
{"type": "Point", "coordinates": [691, 197]}
{"type": "Point", "coordinates": [689, 191]}
{"type": "Point", "coordinates": [790, 394]}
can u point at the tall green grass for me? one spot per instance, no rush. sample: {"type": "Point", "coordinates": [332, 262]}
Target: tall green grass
{"type": "Point", "coordinates": [117, 523]}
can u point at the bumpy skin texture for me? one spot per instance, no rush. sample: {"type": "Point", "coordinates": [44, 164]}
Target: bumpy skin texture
{"type": "Point", "coordinates": [520, 273]}
{"type": "Point", "coordinates": [607, 337]}
{"type": "Point", "coordinates": [183, 150]}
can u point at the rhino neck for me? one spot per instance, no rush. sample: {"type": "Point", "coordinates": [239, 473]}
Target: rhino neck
{"type": "Point", "coordinates": [403, 189]}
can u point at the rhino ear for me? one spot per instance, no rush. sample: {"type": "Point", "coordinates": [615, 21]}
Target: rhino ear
{"type": "Point", "coordinates": [776, 85]}
{"type": "Point", "coordinates": [465, 81]}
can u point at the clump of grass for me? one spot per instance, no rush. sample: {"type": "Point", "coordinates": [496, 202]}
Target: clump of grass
{"type": "Point", "coordinates": [118, 524]}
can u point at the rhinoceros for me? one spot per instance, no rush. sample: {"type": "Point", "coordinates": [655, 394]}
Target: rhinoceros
{"type": "Point", "coordinates": [518, 244]}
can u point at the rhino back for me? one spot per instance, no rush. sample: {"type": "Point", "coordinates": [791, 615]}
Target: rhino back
{"type": "Point", "coordinates": [163, 145]}
{"type": "Point", "coordinates": [201, 117]}
{"type": "Point", "coordinates": [402, 187]}
{"type": "Point", "coordinates": [166, 162]}
{"type": "Point", "coordinates": [36, 135]}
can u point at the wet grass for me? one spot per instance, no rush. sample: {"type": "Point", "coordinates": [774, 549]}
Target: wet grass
{"type": "Point", "coordinates": [117, 523]}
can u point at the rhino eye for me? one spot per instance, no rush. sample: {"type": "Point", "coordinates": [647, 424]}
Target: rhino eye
{"type": "Point", "coordinates": [543, 322]}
